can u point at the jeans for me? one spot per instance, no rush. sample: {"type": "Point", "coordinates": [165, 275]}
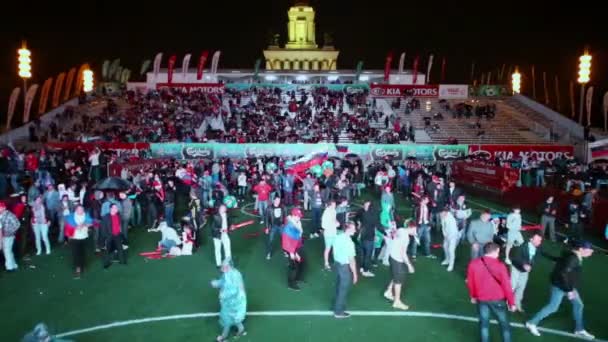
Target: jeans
{"type": "Point", "coordinates": [78, 252]}
{"type": "Point", "coordinates": [262, 206]}
{"type": "Point", "coordinates": [15, 184]}
{"type": "Point", "coordinates": [343, 283]}
{"type": "Point", "coordinates": [499, 309]}
{"type": "Point", "coordinates": [169, 208]}
{"type": "Point", "coordinates": [136, 215]}
{"type": "Point", "coordinates": [295, 270]}
{"type": "Point", "coordinates": [519, 280]}
{"type": "Point", "coordinates": [274, 230]}
{"type": "Point", "coordinates": [306, 200]}
{"type": "Point", "coordinates": [424, 235]}
{"type": "Point", "coordinates": [224, 241]}
{"type": "Point", "coordinates": [61, 236]}
{"type": "Point", "coordinates": [114, 241]}
{"type": "Point", "coordinates": [316, 219]}
{"type": "Point", "coordinates": [288, 197]}
{"type": "Point", "coordinates": [540, 177]}
{"type": "Point", "coordinates": [368, 250]}
{"type": "Point", "coordinates": [205, 198]}
{"type": "Point", "coordinates": [41, 232]}
{"type": "Point", "coordinates": [9, 256]}
{"type": "Point", "coordinates": [166, 245]}
{"type": "Point", "coordinates": [557, 295]}
{"type": "Point", "coordinates": [548, 222]}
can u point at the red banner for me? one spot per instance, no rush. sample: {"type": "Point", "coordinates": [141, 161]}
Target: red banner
{"type": "Point", "coordinates": [415, 70]}
{"type": "Point", "coordinates": [201, 65]}
{"type": "Point", "coordinates": [207, 88]}
{"type": "Point", "coordinates": [172, 60]}
{"type": "Point", "coordinates": [88, 146]}
{"type": "Point", "coordinates": [399, 90]}
{"type": "Point", "coordinates": [546, 152]}
{"type": "Point", "coordinates": [387, 66]}
{"type": "Point", "coordinates": [481, 174]}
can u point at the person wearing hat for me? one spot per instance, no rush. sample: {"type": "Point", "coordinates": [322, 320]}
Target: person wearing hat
{"type": "Point", "coordinates": [346, 268]}
{"type": "Point", "coordinates": [9, 224]}
{"type": "Point", "coordinates": [291, 242]}
{"type": "Point", "coordinates": [565, 281]}
{"type": "Point", "coordinates": [233, 300]}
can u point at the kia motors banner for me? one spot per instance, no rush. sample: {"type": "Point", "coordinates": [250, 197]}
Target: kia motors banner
{"type": "Point", "coordinates": [483, 175]}
{"type": "Point", "coordinates": [453, 91]}
{"type": "Point", "coordinates": [367, 152]}
{"type": "Point", "coordinates": [88, 146]}
{"type": "Point", "coordinates": [207, 88]}
{"type": "Point", "coordinates": [399, 90]}
{"type": "Point", "coordinates": [547, 152]}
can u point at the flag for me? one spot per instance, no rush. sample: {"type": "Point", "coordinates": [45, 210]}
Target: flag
{"type": "Point", "coordinates": [557, 101]}
{"type": "Point", "coordinates": [291, 238]}
{"type": "Point", "coordinates": [172, 60]}
{"type": "Point", "coordinates": [342, 148]}
{"type": "Point", "coordinates": [428, 69]}
{"type": "Point", "coordinates": [256, 68]}
{"type": "Point", "coordinates": [44, 96]}
{"type": "Point", "coordinates": [201, 65]}
{"type": "Point", "coordinates": [105, 69]}
{"type": "Point", "coordinates": [472, 70]}
{"type": "Point", "coordinates": [185, 65]}
{"type": "Point", "coordinates": [359, 69]}
{"type": "Point", "coordinates": [113, 68]}
{"type": "Point", "coordinates": [387, 66]}
{"type": "Point", "coordinates": [572, 104]}
{"type": "Point", "coordinates": [144, 67]}
{"type": "Point", "coordinates": [545, 89]}
{"type": "Point", "coordinates": [68, 84]}
{"type": "Point", "coordinates": [215, 61]}
{"type": "Point", "coordinates": [29, 99]}
{"type": "Point", "coordinates": [401, 62]}
{"type": "Point", "coordinates": [415, 70]}
{"type": "Point", "coordinates": [12, 103]}
{"type": "Point", "coordinates": [588, 102]}
{"type": "Point", "coordinates": [533, 83]}
{"type": "Point", "coordinates": [605, 107]}
{"type": "Point", "coordinates": [57, 89]}
{"type": "Point", "coordinates": [157, 60]}
{"type": "Point", "coordinates": [301, 165]}
{"type": "Point", "coordinates": [443, 62]}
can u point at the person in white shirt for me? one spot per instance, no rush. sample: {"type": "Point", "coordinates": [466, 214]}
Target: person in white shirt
{"type": "Point", "coordinates": [330, 225]}
{"type": "Point", "coordinates": [242, 183]}
{"type": "Point", "coordinates": [451, 236]}
{"type": "Point", "coordinates": [95, 170]}
{"type": "Point", "coordinates": [219, 232]}
{"type": "Point", "coordinates": [398, 261]}
{"type": "Point", "coordinates": [169, 237]}
{"type": "Point", "coordinates": [514, 236]}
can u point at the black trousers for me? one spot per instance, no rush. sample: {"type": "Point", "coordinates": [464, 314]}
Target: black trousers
{"type": "Point", "coordinates": [295, 269]}
{"type": "Point", "coordinates": [114, 242]}
{"type": "Point", "coordinates": [78, 252]}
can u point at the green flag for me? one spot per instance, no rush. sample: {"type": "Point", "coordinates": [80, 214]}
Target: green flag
{"type": "Point", "coordinates": [359, 70]}
{"type": "Point", "coordinates": [105, 69]}
{"type": "Point", "coordinates": [258, 62]}
{"type": "Point", "coordinates": [144, 67]}
{"type": "Point", "coordinates": [113, 68]}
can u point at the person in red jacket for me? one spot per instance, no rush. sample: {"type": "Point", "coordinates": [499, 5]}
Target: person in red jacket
{"type": "Point", "coordinates": [489, 287]}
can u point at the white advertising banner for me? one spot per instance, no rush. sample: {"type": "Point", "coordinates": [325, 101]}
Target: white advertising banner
{"type": "Point", "coordinates": [453, 91]}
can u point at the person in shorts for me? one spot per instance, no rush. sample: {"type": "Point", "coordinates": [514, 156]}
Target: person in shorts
{"type": "Point", "coordinates": [399, 264]}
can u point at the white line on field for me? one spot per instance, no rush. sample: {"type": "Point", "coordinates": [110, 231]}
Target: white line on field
{"type": "Point", "coordinates": [307, 313]}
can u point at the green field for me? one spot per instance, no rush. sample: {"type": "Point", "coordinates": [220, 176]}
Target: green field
{"type": "Point", "coordinates": [180, 286]}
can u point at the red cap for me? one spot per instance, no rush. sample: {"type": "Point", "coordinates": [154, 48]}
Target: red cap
{"type": "Point", "coordinates": [297, 212]}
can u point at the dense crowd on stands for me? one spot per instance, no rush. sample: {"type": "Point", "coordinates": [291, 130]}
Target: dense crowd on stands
{"type": "Point", "coordinates": [249, 116]}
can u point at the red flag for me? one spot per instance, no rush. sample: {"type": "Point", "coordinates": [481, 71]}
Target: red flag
{"type": "Point", "coordinates": [387, 66]}
{"type": "Point", "coordinates": [443, 69]}
{"type": "Point", "coordinates": [415, 68]}
{"type": "Point", "coordinates": [172, 60]}
{"type": "Point", "coordinates": [201, 65]}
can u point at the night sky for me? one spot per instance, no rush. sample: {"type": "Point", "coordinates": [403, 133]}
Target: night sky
{"type": "Point", "coordinates": [549, 35]}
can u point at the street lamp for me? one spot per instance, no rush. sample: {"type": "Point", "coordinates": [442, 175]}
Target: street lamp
{"type": "Point", "coordinates": [584, 71]}
{"type": "Point", "coordinates": [87, 81]}
{"type": "Point", "coordinates": [25, 66]}
{"type": "Point", "coordinates": [516, 82]}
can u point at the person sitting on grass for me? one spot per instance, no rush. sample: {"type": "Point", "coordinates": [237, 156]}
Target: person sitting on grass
{"type": "Point", "coordinates": [169, 238]}
{"type": "Point", "coordinates": [233, 300]}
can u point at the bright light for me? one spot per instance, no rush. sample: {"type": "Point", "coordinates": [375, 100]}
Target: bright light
{"type": "Point", "coordinates": [25, 61]}
{"type": "Point", "coordinates": [428, 106]}
{"type": "Point", "coordinates": [584, 68]}
{"type": "Point", "coordinates": [364, 78]}
{"type": "Point", "coordinates": [516, 82]}
{"type": "Point", "coordinates": [270, 78]}
{"type": "Point", "coordinates": [332, 78]}
{"type": "Point", "coordinates": [301, 78]}
{"type": "Point", "coordinates": [87, 80]}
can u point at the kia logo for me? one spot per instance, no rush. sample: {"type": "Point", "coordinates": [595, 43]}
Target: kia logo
{"type": "Point", "coordinates": [483, 154]}
{"type": "Point", "coordinates": [378, 91]}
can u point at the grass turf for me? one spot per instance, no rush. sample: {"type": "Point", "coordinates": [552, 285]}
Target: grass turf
{"type": "Point", "coordinates": [151, 288]}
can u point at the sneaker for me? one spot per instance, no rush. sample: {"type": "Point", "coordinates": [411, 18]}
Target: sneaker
{"type": "Point", "coordinates": [294, 287]}
{"type": "Point", "coordinates": [327, 267]}
{"type": "Point", "coordinates": [508, 261]}
{"type": "Point", "coordinates": [125, 247]}
{"type": "Point", "coordinates": [342, 315]}
{"type": "Point", "coordinates": [445, 263]}
{"type": "Point", "coordinates": [431, 256]}
{"type": "Point", "coordinates": [268, 256]}
{"type": "Point", "coordinates": [48, 252]}
{"type": "Point", "coordinates": [389, 296]}
{"type": "Point", "coordinates": [533, 329]}
{"type": "Point", "coordinates": [368, 274]}
{"type": "Point", "coordinates": [38, 253]}
{"type": "Point", "coordinates": [584, 334]}
{"type": "Point", "coordinates": [450, 268]}
{"type": "Point", "coordinates": [400, 306]}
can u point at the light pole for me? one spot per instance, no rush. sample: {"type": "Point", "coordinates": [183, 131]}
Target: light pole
{"type": "Point", "coordinates": [584, 71]}
{"type": "Point", "coordinates": [516, 81]}
{"type": "Point", "coordinates": [87, 81]}
{"type": "Point", "coordinates": [25, 67]}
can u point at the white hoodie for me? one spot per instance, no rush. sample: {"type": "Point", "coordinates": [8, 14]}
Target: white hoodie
{"type": "Point", "coordinates": [449, 228]}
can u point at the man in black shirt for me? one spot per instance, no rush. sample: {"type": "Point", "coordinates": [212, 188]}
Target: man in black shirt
{"type": "Point", "coordinates": [169, 202]}
{"type": "Point", "coordinates": [275, 217]}
{"type": "Point", "coordinates": [368, 221]}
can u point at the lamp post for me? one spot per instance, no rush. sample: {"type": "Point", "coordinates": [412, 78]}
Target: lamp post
{"type": "Point", "coordinates": [584, 71]}
{"type": "Point", "coordinates": [516, 81]}
{"type": "Point", "coordinates": [25, 67]}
